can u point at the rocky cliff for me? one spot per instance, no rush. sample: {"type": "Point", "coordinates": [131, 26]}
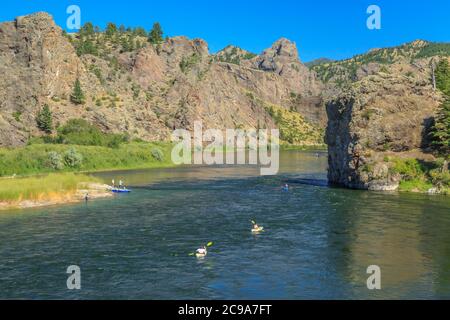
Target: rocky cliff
{"type": "Point", "coordinates": [146, 91]}
{"type": "Point", "coordinates": [388, 113]}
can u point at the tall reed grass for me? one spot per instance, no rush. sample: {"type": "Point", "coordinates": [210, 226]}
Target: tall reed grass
{"type": "Point", "coordinates": [41, 187]}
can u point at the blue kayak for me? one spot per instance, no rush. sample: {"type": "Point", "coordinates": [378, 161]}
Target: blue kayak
{"type": "Point", "coordinates": [115, 190]}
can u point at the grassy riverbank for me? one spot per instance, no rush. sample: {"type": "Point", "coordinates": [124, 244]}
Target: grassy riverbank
{"type": "Point", "coordinates": [421, 176]}
{"type": "Point", "coordinates": [40, 187]}
{"type": "Point", "coordinates": [52, 158]}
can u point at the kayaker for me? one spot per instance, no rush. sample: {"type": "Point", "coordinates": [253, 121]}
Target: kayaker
{"type": "Point", "coordinates": [121, 184]}
{"type": "Point", "coordinates": [113, 183]}
{"type": "Point", "coordinates": [286, 187]}
{"type": "Point", "coordinates": [202, 252]}
{"type": "Point", "coordinates": [256, 228]}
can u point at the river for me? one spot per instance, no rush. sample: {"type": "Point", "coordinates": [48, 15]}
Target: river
{"type": "Point", "coordinates": [318, 242]}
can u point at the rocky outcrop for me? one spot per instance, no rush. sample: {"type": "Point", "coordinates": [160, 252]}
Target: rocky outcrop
{"type": "Point", "coordinates": [146, 92]}
{"type": "Point", "coordinates": [36, 63]}
{"type": "Point", "coordinates": [383, 114]}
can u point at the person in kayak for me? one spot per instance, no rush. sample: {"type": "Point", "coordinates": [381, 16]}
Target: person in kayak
{"type": "Point", "coordinates": [201, 252]}
{"type": "Point", "coordinates": [256, 227]}
{"type": "Point", "coordinates": [286, 187]}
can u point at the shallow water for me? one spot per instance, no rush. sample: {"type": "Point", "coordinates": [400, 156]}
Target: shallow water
{"type": "Point", "coordinates": [318, 242]}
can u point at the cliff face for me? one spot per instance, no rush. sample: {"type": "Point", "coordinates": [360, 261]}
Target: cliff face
{"type": "Point", "coordinates": [36, 63]}
{"type": "Point", "coordinates": [148, 91]}
{"type": "Point", "coordinates": [385, 114]}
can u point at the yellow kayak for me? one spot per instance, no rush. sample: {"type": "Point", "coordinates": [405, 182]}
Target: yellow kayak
{"type": "Point", "coordinates": [256, 230]}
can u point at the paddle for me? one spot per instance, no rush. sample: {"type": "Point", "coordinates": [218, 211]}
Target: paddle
{"type": "Point", "coordinates": [262, 228]}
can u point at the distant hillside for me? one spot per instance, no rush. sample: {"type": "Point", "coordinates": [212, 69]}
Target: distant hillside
{"type": "Point", "coordinates": [345, 71]}
{"type": "Point", "coordinates": [318, 62]}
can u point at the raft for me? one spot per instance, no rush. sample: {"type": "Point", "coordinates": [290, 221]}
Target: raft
{"type": "Point", "coordinates": [115, 190]}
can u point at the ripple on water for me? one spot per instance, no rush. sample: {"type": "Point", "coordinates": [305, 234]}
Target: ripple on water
{"type": "Point", "coordinates": [318, 240]}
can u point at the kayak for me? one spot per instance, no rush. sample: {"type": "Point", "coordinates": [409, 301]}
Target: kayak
{"type": "Point", "coordinates": [115, 190]}
{"type": "Point", "coordinates": [260, 229]}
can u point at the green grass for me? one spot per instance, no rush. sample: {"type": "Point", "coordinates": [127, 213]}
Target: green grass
{"type": "Point", "coordinates": [34, 159]}
{"type": "Point", "coordinates": [415, 185]}
{"type": "Point", "coordinates": [38, 187]}
{"type": "Point", "coordinates": [419, 175]}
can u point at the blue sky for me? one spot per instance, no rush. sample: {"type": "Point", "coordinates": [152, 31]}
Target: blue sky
{"type": "Point", "coordinates": [321, 28]}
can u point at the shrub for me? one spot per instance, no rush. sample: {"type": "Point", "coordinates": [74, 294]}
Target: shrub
{"type": "Point", "coordinates": [17, 115]}
{"type": "Point", "coordinates": [81, 132]}
{"type": "Point", "coordinates": [72, 158]}
{"type": "Point", "coordinates": [55, 160]}
{"type": "Point", "coordinates": [440, 177]}
{"type": "Point", "coordinates": [157, 154]}
{"type": "Point", "coordinates": [188, 62]}
{"type": "Point", "coordinates": [115, 140]}
{"type": "Point", "coordinates": [409, 168]}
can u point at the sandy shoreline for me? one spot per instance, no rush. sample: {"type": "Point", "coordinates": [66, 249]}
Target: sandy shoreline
{"type": "Point", "coordinates": [95, 191]}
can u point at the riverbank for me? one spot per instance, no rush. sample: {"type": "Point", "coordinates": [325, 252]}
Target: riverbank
{"type": "Point", "coordinates": [43, 158]}
{"type": "Point", "coordinates": [424, 175]}
{"type": "Point", "coordinates": [48, 190]}
{"type": "Point", "coordinates": [57, 158]}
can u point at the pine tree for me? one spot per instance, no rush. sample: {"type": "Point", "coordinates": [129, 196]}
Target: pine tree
{"type": "Point", "coordinates": [156, 34]}
{"type": "Point", "coordinates": [77, 96]}
{"type": "Point", "coordinates": [443, 76]}
{"type": "Point", "coordinates": [44, 119]}
{"type": "Point", "coordinates": [441, 129]}
{"type": "Point", "coordinates": [111, 29]}
{"type": "Point", "coordinates": [87, 29]}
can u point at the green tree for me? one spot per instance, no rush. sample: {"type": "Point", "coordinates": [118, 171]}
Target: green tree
{"type": "Point", "coordinates": [77, 96]}
{"type": "Point", "coordinates": [44, 119]}
{"type": "Point", "coordinates": [111, 29]}
{"type": "Point", "coordinates": [139, 31]}
{"type": "Point", "coordinates": [87, 29]}
{"type": "Point", "coordinates": [443, 76]}
{"type": "Point", "coordinates": [156, 34]}
{"type": "Point", "coordinates": [441, 129]}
